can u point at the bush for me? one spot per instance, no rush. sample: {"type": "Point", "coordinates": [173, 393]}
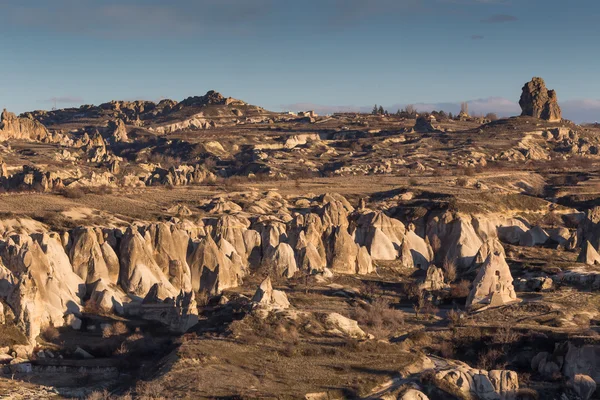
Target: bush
{"type": "Point", "coordinates": [50, 334]}
{"type": "Point", "coordinates": [72, 192]}
{"type": "Point", "coordinates": [460, 290]}
{"type": "Point", "coordinates": [505, 335]}
{"type": "Point", "coordinates": [490, 359]}
{"type": "Point", "coordinates": [116, 329]}
{"type": "Point", "coordinates": [449, 268]}
{"type": "Point", "coordinates": [149, 390]}
{"type": "Point", "coordinates": [462, 182]}
{"type": "Point", "coordinates": [90, 307]}
{"type": "Point", "coordinates": [447, 350]}
{"type": "Point", "coordinates": [382, 319]}
{"type": "Point", "coordinates": [103, 395]}
{"type": "Point", "coordinates": [453, 317]}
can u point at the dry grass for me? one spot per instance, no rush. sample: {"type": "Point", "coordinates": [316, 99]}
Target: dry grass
{"type": "Point", "coordinates": [379, 317]}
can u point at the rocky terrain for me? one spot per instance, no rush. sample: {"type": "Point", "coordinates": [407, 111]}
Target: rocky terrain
{"type": "Point", "coordinates": [209, 248]}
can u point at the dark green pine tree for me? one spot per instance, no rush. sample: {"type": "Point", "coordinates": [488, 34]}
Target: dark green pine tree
{"type": "Point", "coordinates": [374, 112]}
{"type": "Point", "coordinates": [380, 111]}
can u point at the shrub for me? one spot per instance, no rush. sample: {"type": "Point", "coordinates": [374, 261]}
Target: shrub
{"type": "Point", "coordinates": [116, 329]}
{"type": "Point", "coordinates": [202, 299]}
{"type": "Point", "coordinates": [447, 349]}
{"type": "Point", "coordinates": [505, 335]}
{"type": "Point", "coordinates": [103, 395]}
{"type": "Point", "coordinates": [72, 192]}
{"type": "Point", "coordinates": [491, 116]}
{"type": "Point", "coordinates": [462, 181]}
{"type": "Point", "coordinates": [380, 317]}
{"type": "Point", "coordinates": [91, 307]}
{"type": "Point", "coordinates": [449, 268]}
{"type": "Point", "coordinates": [460, 290]}
{"type": "Point", "coordinates": [453, 317]}
{"type": "Point", "coordinates": [149, 390]}
{"type": "Point", "coordinates": [490, 359]}
{"type": "Point", "coordinates": [50, 334]}
{"type": "Point", "coordinates": [436, 243]}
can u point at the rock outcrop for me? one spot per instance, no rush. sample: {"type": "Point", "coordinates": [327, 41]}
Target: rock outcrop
{"type": "Point", "coordinates": [493, 284]}
{"type": "Point", "coordinates": [492, 385]}
{"type": "Point", "coordinates": [13, 127]}
{"type": "Point", "coordinates": [588, 254]}
{"type": "Point", "coordinates": [270, 299]}
{"type": "Point", "coordinates": [539, 102]}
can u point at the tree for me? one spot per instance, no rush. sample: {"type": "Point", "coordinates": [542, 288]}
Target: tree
{"type": "Point", "coordinates": [374, 112]}
{"type": "Point", "coordinates": [491, 116]}
{"type": "Point", "coordinates": [398, 112]}
{"type": "Point", "coordinates": [450, 116]}
{"type": "Point", "coordinates": [410, 109]}
{"type": "Point", "coordinates": [464, 108]}
{"type": "Point", "coordinates": [380, 111]}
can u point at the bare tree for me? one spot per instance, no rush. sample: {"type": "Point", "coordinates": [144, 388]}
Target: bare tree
{"type": "Point", "coordinates": [410, 109]}
{"type": "Point", "coordinates": [464, 108]}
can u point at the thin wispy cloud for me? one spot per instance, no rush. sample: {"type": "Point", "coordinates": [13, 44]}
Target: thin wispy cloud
{"type": "Point", "coordinates": [63, 100]}
{"type": "Point", "coordinates": [499, 19]}
{"type": "Point", "coordinates": [477, 37]}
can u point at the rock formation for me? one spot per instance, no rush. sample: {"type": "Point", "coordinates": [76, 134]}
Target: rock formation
{"type": "Point", "coordinates": [539, 102]}
{"type": "Point", "coordinates": [13, 127]}
{"type": "Point", "coordinates": [270, 299]}
{"type": "Point", "coordinates": [434, 279]}
{"type": "Point", "coordinates": [493, 284]}
{"type": "Point", "coordinates": [588, 255]}
{"type": "Point", "coordinates": [423, 124]}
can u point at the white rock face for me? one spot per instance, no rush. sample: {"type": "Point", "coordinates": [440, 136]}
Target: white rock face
{"type": "Point", "coordinates": [268, 298]}
{"type": "Point", "coordinates": [339, 324]}
{"type": "Point", "coordinates": [493, 284]}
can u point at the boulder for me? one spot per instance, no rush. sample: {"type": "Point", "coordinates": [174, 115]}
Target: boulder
{"type": "Point", "coordinates": [584, 386]}
{"type": "Point", "coordinates": [339, 324]}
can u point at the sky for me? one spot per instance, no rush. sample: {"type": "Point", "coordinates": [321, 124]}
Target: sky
{"type": "Point", "coordinates": [327, 55]}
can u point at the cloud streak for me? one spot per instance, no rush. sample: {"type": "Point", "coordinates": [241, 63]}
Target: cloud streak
{"type": "Point", "coordinates": [64, 100]}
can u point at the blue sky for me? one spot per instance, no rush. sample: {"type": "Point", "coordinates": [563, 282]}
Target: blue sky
{"type": "Point", "coordinates": [326, 54]}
